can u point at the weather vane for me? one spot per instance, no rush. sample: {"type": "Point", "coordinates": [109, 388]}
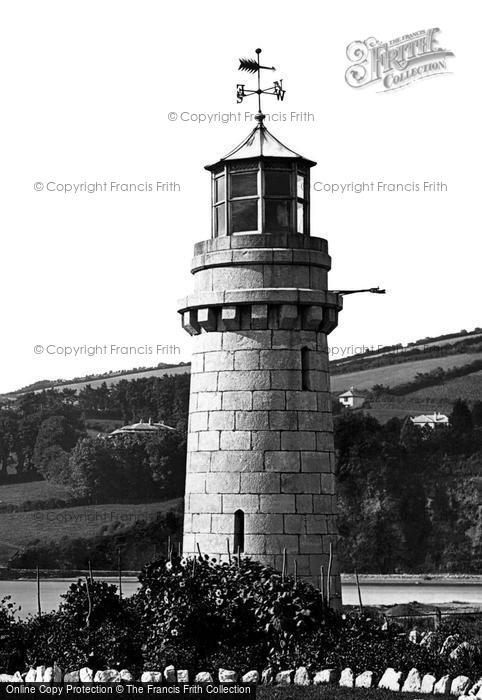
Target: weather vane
{"type": "Point", "coordinates": [252, 65]}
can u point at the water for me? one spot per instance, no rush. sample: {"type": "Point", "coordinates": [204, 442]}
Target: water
{"type": "Point", "coordinates": [24, 593]}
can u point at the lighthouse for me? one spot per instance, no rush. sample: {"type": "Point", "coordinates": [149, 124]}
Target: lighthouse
{"type": "Point", "coordinates": [260, 463]}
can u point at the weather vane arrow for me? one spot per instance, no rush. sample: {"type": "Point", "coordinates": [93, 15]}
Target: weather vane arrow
{"type": "Point", "coordinates": [252, 65]}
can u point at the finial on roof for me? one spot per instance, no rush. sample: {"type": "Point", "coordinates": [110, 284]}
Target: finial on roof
{"type": "Point", "coordinates": [251, 65]}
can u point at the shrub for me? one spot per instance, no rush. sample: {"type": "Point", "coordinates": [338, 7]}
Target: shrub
{"type": "Point", "coordinates": [221, 611]}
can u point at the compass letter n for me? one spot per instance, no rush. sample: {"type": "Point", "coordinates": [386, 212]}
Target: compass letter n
{"type": "Point", "coordinates": [278, 90]}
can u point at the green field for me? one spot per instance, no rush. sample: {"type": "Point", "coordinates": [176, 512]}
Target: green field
{"type": "Point", "coordinates": [16, 494]}
{"type": "Point", "coordinates": [20, 529]}
{"type": "Point", "coordinates": [391, 375]}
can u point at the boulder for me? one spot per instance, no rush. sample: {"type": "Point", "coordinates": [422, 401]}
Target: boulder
{"type": "Point", "coordinates": [57, 675]}
{"type": "Point", "coordinates": [126, 675]}
{"type": "Point", "coordinates": [479, 693]}
{"type": "Point", "coordinates": [48, 675]}
{"type": "Point", "coordinates": [5, 678]}
{"type": "Point", "coordinates": [170, 674]}
{"type": "Point", "coordinates": [284, 677]}
{"type": "Point", "coordinates": [390, 680]}
{"type": "Point", "coordinates": [302, 677]}
{"type": "Point", "coordinates": [183, 676]}
{"type": "Point", "coordinates": [203, 677]}
{"type": "Point", "coordinates": [39, 674]}
{"type": "Point", "coordinates": [346, 678]}
{"type": "Point", "coordinates": [364, 680]}
{"type": "Point", "coordinates": [428, 682]}
{"type": "Point", "coordinates": [328, 675]}
{"type": "Point", "coordinates": [267, 676]}
{"type": "Point", "coordinates": [442, 686]}
{"type": "Point", "coordinates": [151, 677]}
{"type": "Point", "coordinates": [86, 675]}
{"type": "Point", "coordinates": [450, 643]}
{"type": "Point", "coordinates": [110, 675]}
{"type": "Point", "coordinates": [31, 675]}
{"type": "Point", "coordinates": [225, 676]}
{"type": "Point", "coordinates": [16, 678]}
{"type": "Point", "coordinates": [413, 682]}
{"type": "Point", "coordinates": [72, 677]}
{"type": "Point", "coordinates": [250, 677]}
{"type": "Point", "coordinates": [459, 685]}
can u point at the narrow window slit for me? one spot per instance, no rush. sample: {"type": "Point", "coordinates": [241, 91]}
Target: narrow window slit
{"type": "Point", "coordinates": [305, 369]}
{"type": "Point", "coordinates": [238, 531]}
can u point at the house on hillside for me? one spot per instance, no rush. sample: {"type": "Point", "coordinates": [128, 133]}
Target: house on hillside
{"type": "Point", "coordinates": [140, 428]}
{"type": "Point", "coordinates": [352, 398]}
{"type": "Point", "coordinates": [430, 420]}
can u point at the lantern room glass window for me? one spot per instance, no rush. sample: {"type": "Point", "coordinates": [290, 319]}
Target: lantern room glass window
{"type": "Point", "coordinates": [261, 196]}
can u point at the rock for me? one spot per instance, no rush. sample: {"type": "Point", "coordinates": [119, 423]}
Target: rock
{"type": "Point", "coordinates": [364, 680]}
{"type": "Point", "coordinates": [413, 636]}
{"type": "Point", "coordinates": [31, 675]}
{"type": "Point", "coordinates": [250, 677]}
{"type": "Point", "coordinates": [302, 676]}
{"type": "Point", "coordinates": [57, 675]}
{"type": "Point", "coordinates": [442, 686]}
{"type": "Point", "coordinates": [183, 676]}
{"type": "Point", "coordinates": [284, 677]}
{"type": "Point", "coordinates": [203, 677]}
{"type": "Point", "coordinates": [16, 678]}
{"type": "Point", "coordinates": [151, 677]}
{"type": "Point", "coordinates": [450, 643]}
{"type": "Point", "coordinates": [413, 682]}
{"type": "Point", "coordinates": [346, 678]}
{"type": "Point", "coordinates": [428, 682]}
{"type": "Point", "coordinates": [479, 693]}
{"type": "Point", "coordinates": [427, 639]}
{"type": "Point", "coordinates": [72, 677]}
{"type": "Point", "coordinates": [476, 687]}
{"type": "Point", "coordinates": [390, 680]}
{"type": "Point", "coordinates": [459, 685]}
{"type": "Point", "coordinates": [170, 674]}
{"type": "Point", "coordinates": [226, 676]}
{"type": "Point", "coordinates": [461, 650]}
{"type": "Point", "coordinates": [48, 675]}
{"type": "Point", "coordinates": [86, 675]}
{"type": "Point", "coordinates": [267, 676]}
{"type": "Point", "coordinates": [39, 674]}
{"type": "Point", "coordinates": [108, 676]}
{"type": "Point", "coordinates": [328, 675]}
{"type": "Point", "coordinates": [126, 675]}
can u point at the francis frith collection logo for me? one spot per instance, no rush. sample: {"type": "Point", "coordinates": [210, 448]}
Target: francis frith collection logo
{"type": "Point", "coordinates": [396, 63]}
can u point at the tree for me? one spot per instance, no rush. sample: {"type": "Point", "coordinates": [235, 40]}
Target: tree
{"type": "Point", "coordinates": [56, 438]}
{"type": "Point", "coordinates": [461, 420]}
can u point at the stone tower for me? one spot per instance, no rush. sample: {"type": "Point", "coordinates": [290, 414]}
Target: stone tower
{"type": "Point", "coordinates": [260, 464]}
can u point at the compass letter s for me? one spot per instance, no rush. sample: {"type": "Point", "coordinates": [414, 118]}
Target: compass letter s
{"type": "Point", "coordinates": [240, 93]}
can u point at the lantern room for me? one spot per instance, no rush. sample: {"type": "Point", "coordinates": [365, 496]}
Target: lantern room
{"type": "Point", "coordinates": [260, 187]}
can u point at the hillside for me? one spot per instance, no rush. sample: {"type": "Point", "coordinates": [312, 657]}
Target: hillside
{"type": "Point", "coordinates": [394, 374]}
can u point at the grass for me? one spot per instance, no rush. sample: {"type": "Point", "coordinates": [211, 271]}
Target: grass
{"type": "Point", "coordinates": [331, 692]}
{"type": "Point", "coordinates": [392, 375]}
{"type": "Point", "coordinates": [16, 494]}
{"type": "Point", "coordinates": [468, 388]}
{"type": "Point", "coordinates": [20, 529]}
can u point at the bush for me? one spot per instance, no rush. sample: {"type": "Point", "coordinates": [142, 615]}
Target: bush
{"type": "Point", "coordinates": [215, 612]}
{"type": "Point", "coordinates": [108, 637]}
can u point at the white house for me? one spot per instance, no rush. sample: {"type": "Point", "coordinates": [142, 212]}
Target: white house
{"type": "Point", "coordinates": [351, 399]}
{"type": "Point", "coordinates": [430, 419]}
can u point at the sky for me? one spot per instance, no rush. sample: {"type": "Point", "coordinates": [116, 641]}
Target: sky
{"type": "Point", "coordinates": [136, 92]}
